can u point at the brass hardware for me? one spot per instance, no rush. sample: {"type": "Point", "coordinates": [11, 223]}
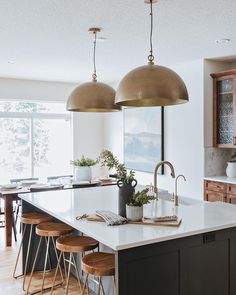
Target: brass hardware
{"type": "Point", "coordinates": [18, 256]}
{"type": "Point", "coordinates": [176, 198]}
{"type": "Point", "coordinates": [93, 96]}
{"type": "Point", "coordinates": [151, 85]}
{"type": "Point", "coordinates": [95, 30]}
{"type": "Point", "coordinates": [47, 258]}
{"type": "Point", "coordinates": [156, 169]}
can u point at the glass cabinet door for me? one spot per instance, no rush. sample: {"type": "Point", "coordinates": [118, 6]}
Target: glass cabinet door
{"type": "Point", "coordinates": [225, 112]}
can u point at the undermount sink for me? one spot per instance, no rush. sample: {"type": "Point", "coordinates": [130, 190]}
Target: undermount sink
{"type": "Point", "coordinates": [164, 195]}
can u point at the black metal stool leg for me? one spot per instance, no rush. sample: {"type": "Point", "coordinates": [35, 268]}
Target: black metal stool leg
{"type": "Point", "coordinates": [14, 227]}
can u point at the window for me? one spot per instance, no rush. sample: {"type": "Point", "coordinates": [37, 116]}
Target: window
{"type": "Point", "coordinates": [35, 140]}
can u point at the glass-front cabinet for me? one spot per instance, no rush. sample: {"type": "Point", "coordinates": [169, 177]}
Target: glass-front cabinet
{"type": "Point", "coordinates": [224, 109]}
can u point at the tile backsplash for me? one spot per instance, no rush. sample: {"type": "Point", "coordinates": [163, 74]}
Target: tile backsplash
{"type": "Point", "coordinates": [216, 161]}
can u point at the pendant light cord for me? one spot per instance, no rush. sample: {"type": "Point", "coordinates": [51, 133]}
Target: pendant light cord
{"type": "Point", "coordinates": [94, 76]}
{"type": "Point", "coordinates": [151, 56]}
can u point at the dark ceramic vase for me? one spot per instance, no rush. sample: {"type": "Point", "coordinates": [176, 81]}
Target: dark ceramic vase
{"type": "Point", "coordinates": [125, 193]}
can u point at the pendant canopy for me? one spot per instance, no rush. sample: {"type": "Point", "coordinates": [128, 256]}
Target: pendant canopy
{"type": "Point", "coordinates": [93, 96]}
{"type": "Point", "coordinates": [151, 85]}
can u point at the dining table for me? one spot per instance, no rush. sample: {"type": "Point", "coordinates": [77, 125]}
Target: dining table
{"type": "Point", "coordinates": [11, 195]}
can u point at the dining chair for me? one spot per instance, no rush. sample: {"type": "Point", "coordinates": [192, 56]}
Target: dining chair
{"type": "Point", "coordinates": [17, 180]}
{"type": "Point", "coordinates": [18, 202]}
{"type": "Point", "coordinates": [51, 178]}
{"type": "Point", "coordinates": [2, 221]}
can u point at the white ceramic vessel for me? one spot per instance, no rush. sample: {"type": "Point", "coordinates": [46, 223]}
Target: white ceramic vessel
{"type": "Point", "coordinates": [134, 213]}
{"type": "Point", "coordinates": [83, 173]}
{"type": "Point", "coordinates": [231, 169]}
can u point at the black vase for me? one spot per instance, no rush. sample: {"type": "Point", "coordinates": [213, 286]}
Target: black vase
{"type": "Point", "coordinates": [125, 193]}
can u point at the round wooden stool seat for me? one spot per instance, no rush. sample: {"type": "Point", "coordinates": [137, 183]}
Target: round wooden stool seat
{"type": "Point", "coordinates": [53, 229]}
{"type": "Point", "coordinates": [74, 244]}
{"type": "Point", "coordinates": [99, 264]}
{"type": "Point", "coordinates": [34, 218]}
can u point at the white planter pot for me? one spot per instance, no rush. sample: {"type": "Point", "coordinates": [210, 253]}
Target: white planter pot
{"type": "Point", "coordinates": [83, 173]}
{"type": "Point", "coordinates": [231, 169]}
{"type": "Point", "coordinates": [134, 213]}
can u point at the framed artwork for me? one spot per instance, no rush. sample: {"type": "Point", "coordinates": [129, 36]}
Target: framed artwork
{"type": "Point", "coordinates": [143, 138]}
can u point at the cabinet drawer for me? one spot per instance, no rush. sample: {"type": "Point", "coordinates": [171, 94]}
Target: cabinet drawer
{"type": "Point", "coordinates": [231, 189]}
{"type": "Point", "coordinates": [215, 186]}
{"type": "Point", "coordinates": [212, 196]}
{"type": "Point", "coordinates": [231, 199]}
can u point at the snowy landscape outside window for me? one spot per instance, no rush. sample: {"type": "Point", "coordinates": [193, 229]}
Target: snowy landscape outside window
{"type": "Point", "coordinates": [35, 140]}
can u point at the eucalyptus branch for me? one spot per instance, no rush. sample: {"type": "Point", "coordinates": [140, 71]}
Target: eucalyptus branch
{"type": "Point", "coordinates": [107, 159]}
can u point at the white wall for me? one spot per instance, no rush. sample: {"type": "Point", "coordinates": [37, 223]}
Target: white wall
{"type": "Point", "coordinates": [88, 137]}
{"type": "Point", "coordinates": [87, 128]}
{"type": "Point", "coordinates": [36, 90]}
{"type": "Point", "coordinates": [183, 136]}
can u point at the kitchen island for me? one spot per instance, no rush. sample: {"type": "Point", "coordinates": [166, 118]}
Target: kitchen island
{"type": "Point", "coordinates": [196, 258]}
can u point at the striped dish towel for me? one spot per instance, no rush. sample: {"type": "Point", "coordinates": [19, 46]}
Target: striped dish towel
{"type": "Point", "coordinates": [111, 218]}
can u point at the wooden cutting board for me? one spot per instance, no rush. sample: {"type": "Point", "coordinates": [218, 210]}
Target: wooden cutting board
{"type": "Point", "coordinates": [94, 217]}
{"type": "Point", "coordinates": [157, 223]}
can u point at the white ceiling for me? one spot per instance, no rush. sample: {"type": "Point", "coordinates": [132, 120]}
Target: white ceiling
{"type": "Point", "coordinates": [48, 39]}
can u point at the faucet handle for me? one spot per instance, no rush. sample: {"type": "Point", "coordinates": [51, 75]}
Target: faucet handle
{"type": "Point", "coordinates": [176, 198]}
{"type": "Point", "coordinates": [180, 175]}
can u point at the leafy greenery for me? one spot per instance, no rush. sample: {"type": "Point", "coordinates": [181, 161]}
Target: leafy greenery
{"type": "Point", "coordinates": [106, 158]}
{"type": "Point", "coordinates": [140, 198]}
{"type": "Point", "coordinates": [83, 162]}
{"type": "Point", "coordinates": [233, 158]}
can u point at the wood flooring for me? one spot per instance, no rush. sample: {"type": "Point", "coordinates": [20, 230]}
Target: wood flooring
{"type": "Point", "coordinates": [11, 286]}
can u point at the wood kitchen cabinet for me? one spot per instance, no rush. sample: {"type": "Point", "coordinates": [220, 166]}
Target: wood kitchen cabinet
{"type": "Point", "coordinates": [220, 191]}
{"type": "Point", "coordinates": [224, 109]}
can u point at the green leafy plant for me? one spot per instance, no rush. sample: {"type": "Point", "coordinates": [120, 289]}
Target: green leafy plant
{"type": "Point", "coordinates": [83, 162]}
{"type": "Point", "coordinates": [106, 158]}
{"type": "Point", "coordinates": [233, 158]}
{"type": "Point", "coordinates": [140, 198]}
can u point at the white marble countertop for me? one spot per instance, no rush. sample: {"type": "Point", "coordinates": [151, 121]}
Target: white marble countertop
{"type": "Point", "coordinates": [66, 205]}
{"type": "Point", "coordinates": [225, 179]}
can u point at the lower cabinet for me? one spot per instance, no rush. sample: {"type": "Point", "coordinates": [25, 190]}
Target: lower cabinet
{"type": "Point", "coordinates": [212, 196]}
{"type": "Point", "coordinates": [203, 264]}
{"type": "Point", "coordinates": [231, 199]}
{"type": "Point", "coordinates": [219, 191]}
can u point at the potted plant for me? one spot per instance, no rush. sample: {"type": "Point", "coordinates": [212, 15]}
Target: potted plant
{"type": "Point", "coordinates": [83, 171]}
{"type": "Point", "coordinates": [134, 207]}
{"type": "Point", "coordinates": [231, 166]}
{"type": "Point", "coordinates": [125, 180]}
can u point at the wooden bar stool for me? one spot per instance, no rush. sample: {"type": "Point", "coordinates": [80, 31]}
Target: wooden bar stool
{"type": "Point", "coordinates": [98, 264]}
{"type": "Point", "coordinates": [29, 219]}
{"type": "Point", "coordinates": [71, 245]}
{"type": "Point", "coordinates": [48, 230]}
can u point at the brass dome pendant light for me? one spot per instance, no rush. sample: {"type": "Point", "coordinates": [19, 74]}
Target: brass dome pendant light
{"type": "Point", "coordinates": [151, 85]}
{"type": "Point", "coordinates": [93, 96]}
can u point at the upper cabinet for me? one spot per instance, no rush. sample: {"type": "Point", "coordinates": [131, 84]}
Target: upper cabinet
{"type": "Point", "coordinates": [224, 109]}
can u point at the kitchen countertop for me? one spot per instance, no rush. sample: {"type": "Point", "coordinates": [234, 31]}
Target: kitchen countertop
{"type": "Point", "coordinates": [66, 205]}
{"type": "Point", "coordinates": [224, 179]}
